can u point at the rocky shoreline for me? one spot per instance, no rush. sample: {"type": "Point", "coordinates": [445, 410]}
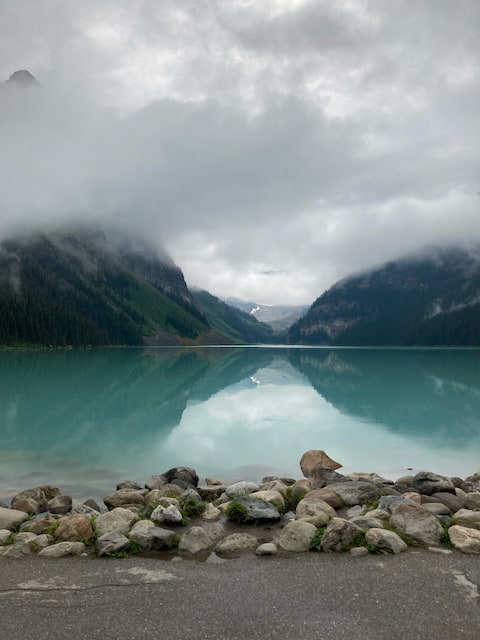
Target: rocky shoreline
{"type": "Point", "coordinates": [174, 515]}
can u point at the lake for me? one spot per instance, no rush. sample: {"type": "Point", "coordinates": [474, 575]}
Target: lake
{"type": "Point", "coordinates": [88, 419]}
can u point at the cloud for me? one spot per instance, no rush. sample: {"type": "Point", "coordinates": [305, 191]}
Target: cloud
{"type": "Point", "coordinates": [272, 147]}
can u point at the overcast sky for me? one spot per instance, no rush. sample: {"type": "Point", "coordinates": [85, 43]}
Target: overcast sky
{"type": "Point", "coordinates": [271, 146]}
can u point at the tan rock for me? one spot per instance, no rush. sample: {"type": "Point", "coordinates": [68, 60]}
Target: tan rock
{"type": "Point", "coordinates": [413, 495]}
{"type": "Point", "coordinates": [325, 494]}
{"type": "Point", "coordinates": [316, 512]}
{"type": "Point", "coordinates": [124, 498]}
{"type": "Point", "coordinates": [417, 523]}
{"type": "Point", "coordinates": [269, 496]}
{"type": "Point", "coordinates": [75, 528]}
{"type": "Point", "coordinates": [314, 459]}
{"type": "Point", "coordinates": [236, 543]}
{"type": "Point", "coordinates": [465, 539]}
{"type": "Point", "coordinates": [297, 536]}
{"type": "Point", "coordinates": [62, 549]}
{"type": "Point", "coordinates": [11, 518]}
{"type": "Point", "coordinates": [119, 520]}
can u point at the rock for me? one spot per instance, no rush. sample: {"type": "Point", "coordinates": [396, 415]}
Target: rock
{"type": "Point", "coordinates": [151, 538]}
{"type": "Point", "coordinates": [465, 539]}
{"type": "Point", "coordinates": [472, 501]}
{"type": "Point", "coordinates": [212, 482]}
{"type": "Point", "coordinates": [355, 492]}
{"type": "Point", "coordinates": [437, 509]}
{"type": "Point", "coordinates": [388, 490]}
{"type": "Point", "coordinates": [183, 476]}
{"type": "Point", "coordinates": [325, 494]}
{"type": "Point", "coordinates": [75, 528]}
{"type": "Point", "coordinates": [384, 539]}
{"type": "Point", "coordinates": [427, 482]}
{"type": "Point", "coordinates": [466, 515]}
{"type": "Point", "coordinates": [28, 505]}
{"type": "Point", "coordinates": [111, 543]}
{"type": "Point", "coordinates": [378, 514]}
{"type": "Point", "coordinates": [166, 515]}
{"type": "Point", "coordinates": [62, 549]}
{"type": "Point", "coordinates": [269, 496]}
{"type": "Point", "coordinates": [89, 502]}
{"type": "Point", "coordinates": [167, 491]}
{"type": "Point", "coordinates": [369, 477]}
{"type": "Point", "coordinates": [417, 523]}
{"type": "Point", "coordinates": [85, 507]}
{"type": "Point", "coordinates": [472, 483]}
{"type": "Point", "coordinates": [356, 511]}
{"type": "Point", "coordinates": [314, 460]}
{"type": "Point", "coordinates": [60, 504]}
{"type": "Point", "coordinates": [236, 543]}
{"type": "Point", "coordinates": [450, 500]}
{"type": "Point", "coordinates": [24, 537]}
{"type": "Point", "coordinates": [156, 497]}
{"type": "Point", "coordinates": [155, 482]}
{"type": "Point", "coordinates": [126, 498]}
{"type": "Point", "coordinates": [14, 551]}
{"type": "Point", "coordinates": [211, 493]}
{"type": "Point", "coordinates": [211, 513]}
{"type": "Point", "coordinates": [297, 536]}
{"type": "Point", "coordinates": [41, 495]}
{"type": "Point", "coordinates": [40, 542]}
{"type": "Point", "coordinates": [248, 509]}
{"type": "Point", "coordinates": [266, 549]}
{"type": "Point", "coordinates": [389, 503]}
{"type": "Point", "coordinates": [4, 535]}
{"type": "Point", "coordinates": [339, 535]}
{"type": "Point", "coordinates": [367, 522]}
{"type": "Point", "coordinates": [358, 552]}
{"type": "Point", "coordinates": [195, 540]}
{"type": "Point", "coordinates": [191, 494]}
{"type": "Point", "coordinates": [118, 520]}
{"type": "Point", "coordinates": [216, 532]}
{"type": "Point", "coordinates": [45, 525]}
{"type": "Point", "coordinates": [316, 512]}
{"type": "Point", "coordinates": [128, 484]}
{"type": "Point", "coordinates": [413, 495]}
{"type": "Point", "coordinates": [275, 485]}
{"type": "Point", "coordinates": [11, 518]}
{"type": "Point", "coordinates": [300, 489]}
{"type": "Point", "coordinates": [405, 481]}
{"type": "Point", "coordinates": [324, 477]}
{"type": "Point", "coordinates": [241, 488]}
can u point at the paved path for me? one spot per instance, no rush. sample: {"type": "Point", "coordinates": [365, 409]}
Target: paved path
{"type": "Point", "coordinates": [415, 596]}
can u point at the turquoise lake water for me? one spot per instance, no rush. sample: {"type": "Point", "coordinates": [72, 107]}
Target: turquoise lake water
{"type": "Point", "coordinates": [89, 419]}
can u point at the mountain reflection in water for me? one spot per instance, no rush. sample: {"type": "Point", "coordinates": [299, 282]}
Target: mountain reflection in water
{"type": "Point", "coordinates": [96, 417]}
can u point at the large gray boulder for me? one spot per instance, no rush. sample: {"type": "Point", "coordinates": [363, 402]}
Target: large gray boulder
{"type": "Point", "coordinates": [148, 537]}
{"type": "Point", "coordinates": [355, 492]}
{"type": "Point", "coordinates": [11, 518]}
{"type": "Point", "coordinates": [256, 510]}
{"type": "Point", "coordinates": [297, 536]}
{"type": "Point", "coordinates": [111, 543]}
{"type": "Point", "coordinates": [62, 549]}
{"type": "Point", "coordinates": [118, 520]}
{"type": "Point", "coordinates": [236, 543]}
{"type": "Point", "coordinates": [241, 488]}
{"type": "Point", "coordinates": [389, 503]}
{"type": "Point", "coordinates": [317, 512]}
{"type": "Point", "coordinates": [183, 476]}
{"type": "Point", "coordinates": [465, 539]}
{"type": "Point", "coordinates": [417, 523]}
{"type": "Point", "coordinates": [195, 540]}
{"type": "Point", "coordinates": [427, 483]}
{"type": "Point", "coordinates": [41, 495]}
{"type": "Point", "coordinates": [126, 498]}
{"type": "Point", "coordinates": [467, 515]}
{"type": "Point", "coordinates": [339, 535]}
{"type": "Point", "coordinates": [383, 539]}
{"type": "Point", "coordinates": [60, 504]}
{"type": "Point", "coordinates": [472, 483]}
{"type": "Point", "coordinates": [169, 514]}
{"type": "Point", "coordinates": [472, 501]}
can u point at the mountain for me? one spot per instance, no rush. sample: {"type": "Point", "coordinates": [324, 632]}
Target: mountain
{"type": "Point", "coordinates": [88, 286]}
{"type": "Point", "coordinates": [239, 326]}
{"type": "Point", "coordinates": [431, 298]}
{"type": "Point", "coordinates": [279, 317]}
{"type": "Point", "coordinates": [22, 78]}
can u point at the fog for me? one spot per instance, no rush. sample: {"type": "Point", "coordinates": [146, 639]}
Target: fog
{"type": "Point", "coordinates": [272, 148]}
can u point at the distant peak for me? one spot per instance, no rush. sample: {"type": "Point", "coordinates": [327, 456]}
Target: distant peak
{"type": "Point", "coordinates": [23, 78]}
